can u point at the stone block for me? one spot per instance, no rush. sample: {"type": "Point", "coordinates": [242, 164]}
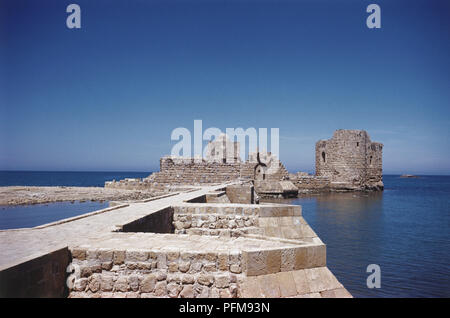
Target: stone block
{"type": "Point", "coordinates": [78, 253]}
{"type": "Point", "coordinates": [307, 231]}
{"type": "Point", "coordinates": [287, 284]}
{"type": "Point", "coordinates": [287, 259]}
{"type": "Point", "coordinates": [256, 262]}
{"type": "Point", "coordinates": [210, 267]}
{"type": "Point", "coordinates": [196, 266]}
{"type": "Point", "coordinates": [136, 256]}
{"type": "Point", "coordinates": [106, 266]}
{"type": "Point", "coordinates": [184, 266]}
{"type": "Point", "coordinates": [186, 256]}
{"type": "Point", "coordinates": [80, 284]}
{"type": "Point", "coordinates": [121, 284]}
{"type": "Point", "coordinates": [234, 268]}
{"type": "Point", "coordinates": [91, 254]}
{"type": "Point", "coordinates": [316, 256]}
{"type": "Point", "coordinates": [285, 221]}
{"type": "Point", "coordinates": [205, 279]}
{"type": "Point", "coordinates": [222, 281]}
{"type": "Point", "coordinates": [201, 291]}
{"type": "Point", "coordinates": [187, 279]}
{"type": "Point", "coordinates": [107, 283]}
{"type": "Point", "coordinates": [269, 286]}
{"type": "Point", "coordinates": [329, 279]}
{"type": "Point", "coordinates": [172, 267]}
{"type": "Point", "coordinates": [301, 257]}
{"type": "Point", "coordinates": [272, 231]}
{"type": "Point", "coordinates": [296, 210]}
{"type": "Point", "coordinates": [161, 275]}
{"type": "Point", "coordinates": [315, 282]}
{"type": "Point", "coordinates": [250, 287]}
{"type": "Point", "coordinates": [289, 232]}
{"type": "Point", "coordinates": [173, 278]}
{"type": "Point", "coordinates": [222, 261]}
{"type": "Point", "coordinates": [133, 282]}
{"type": "Point", "coordinates": [173, 289]}
{"type": "Point", "coordinates": [148, 283]}
{"type": "Point", "coordinates": [105, 255]}
{"type": "Point", "coordinates": [301, 282]}
{"type": "Point", "coordinates": [161, 260]}
{"type": "Point", "coordinates": [173, 255]}
{"type": "Point", "coordinates": [161, 289]}
{"type": "Point", "coordinates": [119, 257]}
{"type": "Point", "coordinates": [187, 292]}
{"type": "Point", "coordinates": [273, 261]}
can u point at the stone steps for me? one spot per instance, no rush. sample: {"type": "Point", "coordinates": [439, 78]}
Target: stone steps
{"type": "Point", "coordinates": [316, 282]}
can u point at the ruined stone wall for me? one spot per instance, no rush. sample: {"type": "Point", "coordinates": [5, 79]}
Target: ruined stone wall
{"type": "Point", "coordinates": [269, 167]}
{"type": "Point", "coordinates": [311, 183]}
{"type": "Point", "coordinates": [227, 220]}
{"type": "Point", "coordinates": [247, 170]}
{"type": "Point", "coordinates": [114, 272]}
{"type": "Point", "coordinates": [283, 258]}
{"type": "Point", "coordinates": [177, 171]}
{"type": "Point", "coordinates": [375, 164]}
{"type": "Point", "coordinates": [155, 273]}
{"type": "Point", "coordinates": [350, 160]}
{"type": "Point", "coordinates": [235, 220]}
{"type": "Point", "coordinates": [194, 171]}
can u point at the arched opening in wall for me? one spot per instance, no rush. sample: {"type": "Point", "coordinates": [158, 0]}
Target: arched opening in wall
{"type": "Point", "coordinates": [259, 173]}
{"type": "Point", "coordinates": [370, 160]}
{"type": "Point", "coordinates": [323, 156]}
{"type": "Point", "coordinates": [357, 144]}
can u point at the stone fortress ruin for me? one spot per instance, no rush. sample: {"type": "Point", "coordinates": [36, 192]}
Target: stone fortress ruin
{"type": "Point", "coordinates": [349, 161]}
{"type": "Point", "coordinates": [209, 236]}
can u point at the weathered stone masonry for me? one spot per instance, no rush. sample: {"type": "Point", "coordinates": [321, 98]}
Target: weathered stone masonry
{"type": "Point", "coordinates": [349, 161]}
{"type": "Point", "coordinates": [218, 250]}
{"type": "Point", "coordinates": [229, 250]}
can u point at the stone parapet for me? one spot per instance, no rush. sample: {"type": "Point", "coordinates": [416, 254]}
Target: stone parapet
{"type": "Point", "coordinates": [308, 183]}
{"type": "Point", "coordinates": [145, 265]}
{"type": "Point", "coordinates": [350, 160]}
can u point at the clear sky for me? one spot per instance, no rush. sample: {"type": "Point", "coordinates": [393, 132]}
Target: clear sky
{"type": "Point", "coordinates": [107, 96]}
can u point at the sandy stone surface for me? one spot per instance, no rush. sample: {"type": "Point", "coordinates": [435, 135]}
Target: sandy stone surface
{"type": "Point", "coordinates": [33, 195]}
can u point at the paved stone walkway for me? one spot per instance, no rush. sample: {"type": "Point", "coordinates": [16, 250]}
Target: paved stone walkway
{"type": "Point", "coordinates": [17, 246]}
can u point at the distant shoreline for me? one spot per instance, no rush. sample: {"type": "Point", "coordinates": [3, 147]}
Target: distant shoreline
{"type": "Point", "coordinates": [22, 195]}
{"type": "Point", "coordinates": [408, 176]}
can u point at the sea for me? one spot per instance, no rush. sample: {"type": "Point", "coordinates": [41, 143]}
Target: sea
{"type": "Point", "coordinates": [404, 229]}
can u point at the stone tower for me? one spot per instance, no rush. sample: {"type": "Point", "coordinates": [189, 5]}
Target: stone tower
{"type": "Point", "coordinates": [350, 160]}
{"type": "Point", "coordinates": [222, 149]}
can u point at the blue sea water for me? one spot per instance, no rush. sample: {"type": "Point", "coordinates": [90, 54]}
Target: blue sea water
{"type": "Point", "coordinates": [21, 216]}
{"type": "Point", "coordinates": [33, 215]}
{"type": "Point", "coordinates": [405, 230]}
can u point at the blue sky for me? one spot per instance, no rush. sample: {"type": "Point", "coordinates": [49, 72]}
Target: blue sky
{"type": "Point", "coordinates": [107, 96]}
